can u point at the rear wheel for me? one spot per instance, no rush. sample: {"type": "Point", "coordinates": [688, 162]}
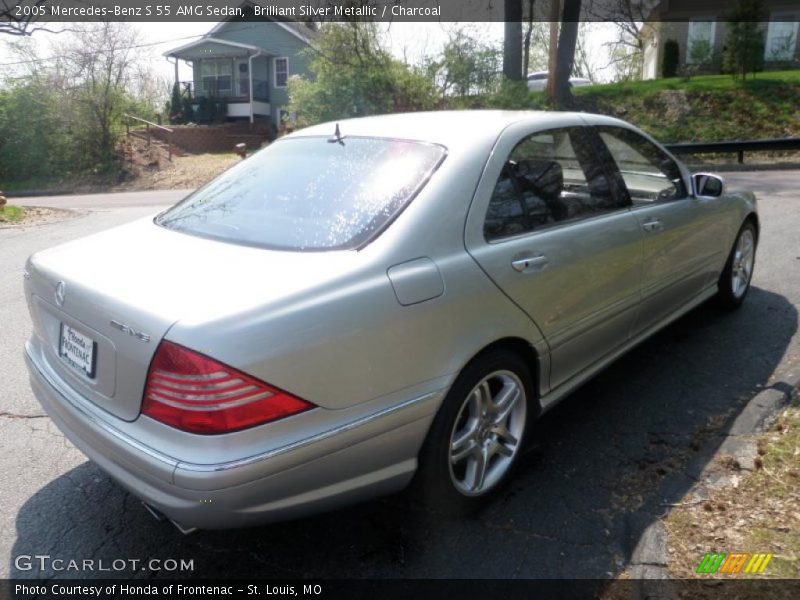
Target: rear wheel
{"type": "Point", "coordinates": [476, 438]}
{"type": "Point", "coordinates": [735, 279]}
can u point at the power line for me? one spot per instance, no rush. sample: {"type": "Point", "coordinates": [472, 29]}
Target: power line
{"type": "Point", "coordinates": [148, 44]}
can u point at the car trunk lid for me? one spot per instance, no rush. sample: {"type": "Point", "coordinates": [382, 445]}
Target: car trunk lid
{"type": "Point", "coordinates": [119, 292]}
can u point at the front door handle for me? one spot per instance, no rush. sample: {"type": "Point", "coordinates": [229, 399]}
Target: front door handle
{"type": "Point", "coordinates": [529, 263]}
{"type": "Point", "coordinates": [654, 225]}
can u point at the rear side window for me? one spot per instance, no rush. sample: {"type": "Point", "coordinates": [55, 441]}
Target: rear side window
{"type": "Point", "coordinates": [309, 193]}
{"type": "Point", "coordinates": [549, 178]}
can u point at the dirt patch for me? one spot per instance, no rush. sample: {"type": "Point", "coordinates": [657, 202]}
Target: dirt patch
{"type": "Point", "coordinates": [150, 167]}
{"type": "Point", "coordinates": [180, 173]}
{"type": "Point", "coordinates": [756, 511]}
{"type": "Point", "coordinates": [629, 495]}
{"type": "Point", "coordinates": [141, 168]}
{"type": "Point", "coordinates": [676, 104]}
{"type": "Point", "coordinates": [38, 215]}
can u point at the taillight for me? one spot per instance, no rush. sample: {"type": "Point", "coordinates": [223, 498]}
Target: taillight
{"type": "Point", "coordinates": [192, 392]}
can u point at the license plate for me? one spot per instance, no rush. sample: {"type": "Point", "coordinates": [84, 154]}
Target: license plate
{"type": "Point", "coordinates": [78, 350]}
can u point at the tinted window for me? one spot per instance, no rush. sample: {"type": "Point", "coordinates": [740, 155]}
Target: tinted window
{"type": "Point", "coordinates": [549, 177]}
{"type": "Point", "coordinates": [309, 193]}
{"type": "Point", "coordinates": [649, 173]}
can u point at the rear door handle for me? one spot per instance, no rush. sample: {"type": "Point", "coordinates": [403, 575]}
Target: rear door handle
{"type": "Point", "coordinates": [654, 225]}
{"type": "Point", "coordinates": [530, 263]}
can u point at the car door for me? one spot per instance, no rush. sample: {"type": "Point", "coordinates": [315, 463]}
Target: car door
{"type": "Point", "coordinates": [547, 228]}
{"type": "Point", "coordinates": [683, 234]}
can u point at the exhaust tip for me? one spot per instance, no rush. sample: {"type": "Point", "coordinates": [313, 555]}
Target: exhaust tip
{"type": "Point", "coordinates": [161, 517]}
{"type": "Point", "coordinates": [156, 514]}
{"type": "Point", "coordinates": [182, 529]}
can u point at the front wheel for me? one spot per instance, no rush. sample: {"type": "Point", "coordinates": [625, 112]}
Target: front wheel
{"type": "Point", "coordinates": [735, 279]}
{"type": "Point", "coordinates": [476, 438]}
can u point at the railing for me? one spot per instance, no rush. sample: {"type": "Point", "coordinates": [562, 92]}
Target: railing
{"type": "Point", "coordinates": [225, 89]}
{"type": "Point", "coordinates": [148, 125]}
{"type": "Point", "coordinates": [736, 147]}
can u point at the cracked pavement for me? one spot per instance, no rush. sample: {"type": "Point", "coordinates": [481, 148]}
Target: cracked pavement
{"type": "Point", "coordinates": [586, 491]}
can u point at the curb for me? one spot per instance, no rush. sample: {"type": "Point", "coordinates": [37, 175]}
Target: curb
{"type": "Point", "coordinates": [33, 193]}
{"type": "Point", "coordinates": [649, 556]}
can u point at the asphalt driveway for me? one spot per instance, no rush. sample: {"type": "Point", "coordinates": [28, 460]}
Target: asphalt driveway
{"type": "Point", "coordinates": [584, 494]}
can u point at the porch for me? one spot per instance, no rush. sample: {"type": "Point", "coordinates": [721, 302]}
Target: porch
{"type": "Point", "coordinates": [228, 72]}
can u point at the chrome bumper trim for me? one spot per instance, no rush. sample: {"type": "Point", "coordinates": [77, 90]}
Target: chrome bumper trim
{"type": "Point", "coordinates": [216, 467]}
{"type": "Point", "coordinates": [93, 420]}
{"type": "Point", "coordinates": [233, 464]}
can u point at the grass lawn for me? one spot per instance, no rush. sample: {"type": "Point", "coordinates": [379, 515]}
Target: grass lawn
{"type": "Point", "coordinates": [707, 108]}
{"type": "Point", "coordinates": [701, 83]}
{"type": "Point", "coordinates": [10, 213]}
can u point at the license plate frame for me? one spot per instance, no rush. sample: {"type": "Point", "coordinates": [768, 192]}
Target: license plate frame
{"type": "Point", "coordinates": [80, 342]}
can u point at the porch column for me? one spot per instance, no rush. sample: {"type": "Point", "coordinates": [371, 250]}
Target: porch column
{"type": "Point", "coordinates": [250, 76]}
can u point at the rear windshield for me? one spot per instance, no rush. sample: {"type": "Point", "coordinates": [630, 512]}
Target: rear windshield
{"type": "Point", "coordinates": [309, 193]}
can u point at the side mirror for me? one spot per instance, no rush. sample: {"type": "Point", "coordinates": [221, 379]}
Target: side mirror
{"type": "Point", "coordinates": [707, 185]}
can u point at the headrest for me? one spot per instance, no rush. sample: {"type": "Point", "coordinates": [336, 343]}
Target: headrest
{"type": "Point", "coordinates": [545, 178]}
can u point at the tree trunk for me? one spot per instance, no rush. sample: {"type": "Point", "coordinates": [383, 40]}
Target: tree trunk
{"type": "Point", "coordinates": [555, 18]}
{"type": "Point", "coordinates": [566, 52]}
{"type": "Point", "coordinates": [526, 49]}
{"type": "Point", "coordinates": [512, 45]}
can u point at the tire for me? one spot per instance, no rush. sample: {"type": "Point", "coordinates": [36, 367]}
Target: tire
{"type": "Point", "coordinates": [486, 413]}
{"type": "Point", "coordinates": [734, 282]}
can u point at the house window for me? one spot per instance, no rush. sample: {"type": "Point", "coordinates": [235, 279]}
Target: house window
{"type": "Point", "coordinates": [281, 71]}
{"type": "Point", "coordinates": [217, 75]}
{"type": "Point", "coordinates": [242, 77]}
{"type": "Point", "coordinates": [700, 42]}
{"type": "Point", "coordinates": [781, 38]}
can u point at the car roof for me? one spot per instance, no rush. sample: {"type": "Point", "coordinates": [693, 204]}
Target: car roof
{"type": "Point", "coordinates": [449, 128]}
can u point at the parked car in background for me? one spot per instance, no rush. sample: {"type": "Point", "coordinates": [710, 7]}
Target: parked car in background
{"type": "Point", "coordinates": [537, 82]}
{"type": "Point", "coordinates": [370, 304]}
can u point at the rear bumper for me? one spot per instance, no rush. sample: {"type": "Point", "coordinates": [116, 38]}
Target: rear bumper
{"type": "Point", "coordinates": [371, 456]}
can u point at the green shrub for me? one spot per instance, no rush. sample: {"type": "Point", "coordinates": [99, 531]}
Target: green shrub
{"type": "Point", "coordinates": [353, 75]}
{"type": "Point", "coordinates": [744, 46]}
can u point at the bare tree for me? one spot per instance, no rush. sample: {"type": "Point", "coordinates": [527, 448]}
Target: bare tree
{"type": "Point", "coordinates": [526, 42]}
{"type": "Point", "coordinates": [13, 21]}
{"type": "Point", "coordinates": [535, 41]}
{"type": "Point", "coordinates": [99, 62]}
{"type": "Point", "coordinates": [552, 62]}
{"type": "Point", "coordinates": [584, 65]}
{"type": "Point", "coordinates": [629, 17]}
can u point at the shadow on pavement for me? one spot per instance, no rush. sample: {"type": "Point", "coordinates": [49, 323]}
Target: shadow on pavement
{"type": "Point", "coordinates": [580, 501]}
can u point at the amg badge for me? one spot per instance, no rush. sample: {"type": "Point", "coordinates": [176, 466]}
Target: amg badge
{"type": "Point", "coordinates": [131, 331]}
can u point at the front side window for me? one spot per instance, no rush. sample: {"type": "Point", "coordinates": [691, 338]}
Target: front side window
{"type": "Point", "coordinates": [309, 193]}
{"type": "Point", "coordinates": [649, 174]}
{"type": "Point", "coordinates": [549, 178]}
{"type": "Point", "coordinates": [281, 72]}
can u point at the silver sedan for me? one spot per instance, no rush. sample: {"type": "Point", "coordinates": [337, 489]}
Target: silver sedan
{"type": "Point", "coordinates": [370, 304]}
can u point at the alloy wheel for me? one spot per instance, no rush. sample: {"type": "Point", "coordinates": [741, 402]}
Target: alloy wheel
{"type": "Point", "coordinates": [487, 433]}
{"type": "Point", "coordinates": [743, 259]}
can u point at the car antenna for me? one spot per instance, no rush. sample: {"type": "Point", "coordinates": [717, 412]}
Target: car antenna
{"type": "Point", "coordinates": [337, 137]}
